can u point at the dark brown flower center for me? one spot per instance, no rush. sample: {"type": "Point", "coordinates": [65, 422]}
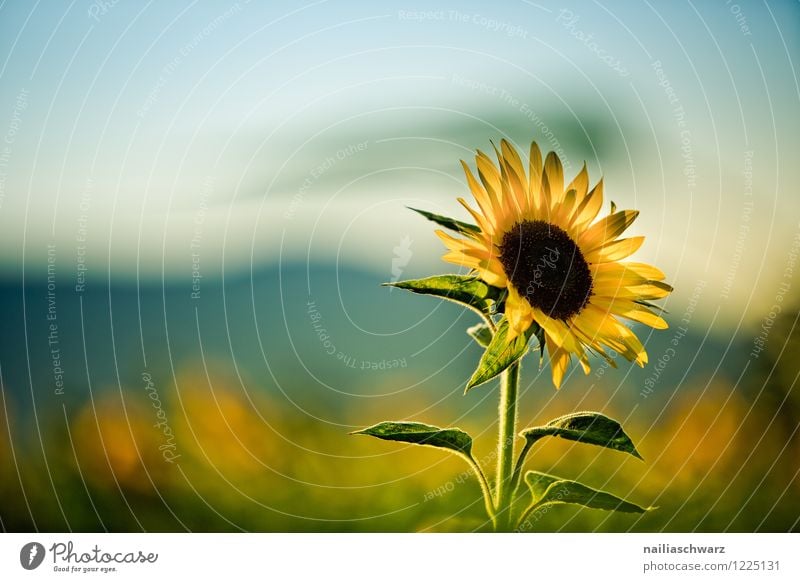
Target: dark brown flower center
{"type": "Point", "coordinates": [546, 267]}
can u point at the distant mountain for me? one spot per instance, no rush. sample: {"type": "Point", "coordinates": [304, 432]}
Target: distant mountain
{"type": "Point", "coordinates": [311, 334]}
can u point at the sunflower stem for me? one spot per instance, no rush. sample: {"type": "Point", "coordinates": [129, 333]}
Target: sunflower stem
{"type": "Point", "coordinates": [505, 446]}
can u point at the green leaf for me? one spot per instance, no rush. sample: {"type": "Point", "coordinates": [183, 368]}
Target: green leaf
{"type": "Point", "coordinates": [549, 490]}
{"type": "Point", "coordinates": [585, 427]}
{"type": "Point", "coordinates": [464, 289]}
{"type": "Point", "coordinates": [481, 334]}
{"type": "Point", "coordinates": [500, 354]}
{"type": "Point", "coordinates": [538, 483]}
{"type": "Point", "coordinates": [449, 223]}
{"type": "Point", "coordinates": [421, 434]}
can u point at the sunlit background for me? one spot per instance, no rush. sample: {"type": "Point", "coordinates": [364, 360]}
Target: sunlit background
{"type": "Point", "coordinates": [199, 201]}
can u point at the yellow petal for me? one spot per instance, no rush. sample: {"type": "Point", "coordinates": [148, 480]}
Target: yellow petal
{"type": "Point", "coordinates": [485, 226]}
{"type": "Point", "coordinates": [557, 331]}
{"type": "Point", "coordinates": [612, 330]}
{"type": "Point", "coordinates": [645, 270]}
{"type": "Point", "coordinates": [649, 290]}
{"type": "Point", "coordinates": [474, 247]}
{"type": "Point", "coordinates": [559, 360]}
{"type": "Point", "coordinates": [580, 183]}
{"type": "Point", "coordinates": [610, 283]}
{"type": "Point", "coordinates": [636, 352]}
{"type": "Point", "coordinates": [512, 159]}
{"type": "Point", "coordinates": [614, 251]}
{"type": "Point", "coordinates": [492, 273]}
{"type": "Point", "coordinates": [592, 345]}
{"type": "Point", "coordinates": [562, 215]}
{"type": "Point", "coordinates": [513, 194]}
{"type": "Point", "coordinates": [646, 317]}
{"type": "Point", "coordinates": [459, 258]}
{"type": "Point", "coordinates": [584, 362]}
{"type": "Point", "coordinates": [535, 178]}
{"type": "Point", "coordinates": [628, 273]}
{"type": "Point", "coordinates": [481, 196]}
{"type": "Point", "coordinates": [601, 328]}
{"type": "Point", "coordinates": [553, 179]}
{"type": "Point", "coordinates": [606, 229]}
{"type": "Point", "coordinates": [517, 178]}
{"type": "Point", "coordinates": [489, 175]}
{"type": "Point", "coordinates": [588, 208]}
{"type": "Point", "coordinates": [628, 309]}
{"type": "Point", "coordinates": [518, 312]}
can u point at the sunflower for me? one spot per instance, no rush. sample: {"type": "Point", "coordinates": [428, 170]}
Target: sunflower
{"type": "Point", "coordinates": [562, 269]}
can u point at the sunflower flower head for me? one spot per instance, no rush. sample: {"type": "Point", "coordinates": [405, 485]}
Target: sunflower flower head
{"type": "Point", "coordinates": [562, 268]}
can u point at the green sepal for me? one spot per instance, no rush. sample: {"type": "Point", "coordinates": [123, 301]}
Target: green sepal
{"type": "Point", "coordinates": [500, 353]}
{"type": "Point", "coordinates": [464, 228]}
{"type": "Point", "coordinates": [650, 305]}
{"type": "Point", "coordinates": [481, 334]}
{"type": "Point", "coordinates": [466, 290]}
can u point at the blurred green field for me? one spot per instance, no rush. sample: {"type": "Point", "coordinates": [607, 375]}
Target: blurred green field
{"type": "Point", "coordinates": [718, 457]}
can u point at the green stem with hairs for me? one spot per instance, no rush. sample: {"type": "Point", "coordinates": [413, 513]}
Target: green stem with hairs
{"type": "Point", "coordinates": [505, 447]}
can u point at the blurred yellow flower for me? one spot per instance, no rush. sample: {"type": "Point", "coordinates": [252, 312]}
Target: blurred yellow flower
{"type": "Point", "coordinates": [117, 446]}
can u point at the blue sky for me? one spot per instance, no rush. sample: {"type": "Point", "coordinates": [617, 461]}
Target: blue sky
{"type": "Point", "coordinates": [285, 131]}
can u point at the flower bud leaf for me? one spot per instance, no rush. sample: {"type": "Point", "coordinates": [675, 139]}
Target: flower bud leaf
{"type": "Point", "coordinates": [500, 353]}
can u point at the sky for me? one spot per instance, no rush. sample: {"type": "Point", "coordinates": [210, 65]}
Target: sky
{"type": "Point", "coordinates": [161, 140]}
